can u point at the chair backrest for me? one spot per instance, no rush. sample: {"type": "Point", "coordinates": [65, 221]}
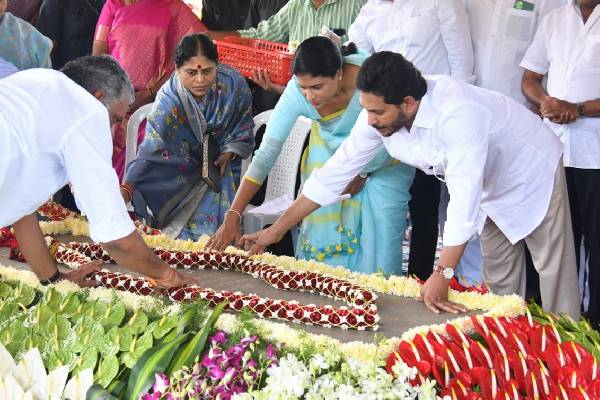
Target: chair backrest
{"type": "Point", "coordinates": [282, 178]}
{"type": "Point", "coordinates": [133, 126]}
{"type": "Point", "coordinates": [260, 120]}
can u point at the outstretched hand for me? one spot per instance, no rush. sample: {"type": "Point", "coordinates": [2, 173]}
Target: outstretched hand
{"type": "Point", "coordinates": [434, 293]}
{"type": "Point", "coordinates": [256, 243]}
{"type": "Point", "coordinates": [79, 275]}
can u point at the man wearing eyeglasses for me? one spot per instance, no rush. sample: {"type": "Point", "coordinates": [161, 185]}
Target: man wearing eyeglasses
{"type": "Point", "coordinates": [55, 130]}
{"type": "Point", "coordinates": [501, 164]}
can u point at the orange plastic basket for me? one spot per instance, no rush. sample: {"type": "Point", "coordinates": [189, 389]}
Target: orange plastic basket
{"type": "Point", "coordinates": [246, 55]}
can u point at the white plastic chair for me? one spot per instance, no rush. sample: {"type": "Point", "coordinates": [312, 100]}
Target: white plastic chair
{"type": "Point", "coordinates": [282, 178]}
{"type": "Point", "coordinates": [260, 120]}
{"type": "Point", "coordinates": [133, 126]}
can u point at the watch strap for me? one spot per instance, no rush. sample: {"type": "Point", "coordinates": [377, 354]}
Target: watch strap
{"type": "Point", "coordinates": [57, 275]}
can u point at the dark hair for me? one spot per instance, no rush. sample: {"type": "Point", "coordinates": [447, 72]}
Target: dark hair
{"type": "Point", "coordinates": [194, 44]}
{"type": "Point", "coordinates": [319, 56]}
{"type": "Point", "coordinates": [392, 77]}
{"type": "Point", "coordinates": [103, 73]}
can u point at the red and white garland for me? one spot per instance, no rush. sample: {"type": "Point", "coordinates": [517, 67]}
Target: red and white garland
{"type": "Point", "coordinates": [362, 313]}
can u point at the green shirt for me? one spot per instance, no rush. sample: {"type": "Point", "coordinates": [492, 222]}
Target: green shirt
{"type": "Point", "coordinates": [298, 20]}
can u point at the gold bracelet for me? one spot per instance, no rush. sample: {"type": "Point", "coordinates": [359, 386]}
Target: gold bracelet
{"type": "Point", "coordinates": [235, 212]}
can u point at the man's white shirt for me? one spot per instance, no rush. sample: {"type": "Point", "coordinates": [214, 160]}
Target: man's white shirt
{"type": "Point", "coordinates": [433, 34]}
{"type": "Point", "coordinates": [501, 34]}
{"type": "Point", "coordinates": [497, 158]}
{"type": "Point", "coordinates": [53, 133]}
{"type": "Point", "coordinates": [569, 52]}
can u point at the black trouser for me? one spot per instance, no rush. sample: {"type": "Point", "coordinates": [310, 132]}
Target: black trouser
{"type": "Point", "coordinates": [423, 207]}
{"type": "Point", "coordinates": [583, 186]}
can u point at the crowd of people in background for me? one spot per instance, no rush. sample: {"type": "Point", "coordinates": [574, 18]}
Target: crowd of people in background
{"type": "Point", "coordinates": [542, 56]}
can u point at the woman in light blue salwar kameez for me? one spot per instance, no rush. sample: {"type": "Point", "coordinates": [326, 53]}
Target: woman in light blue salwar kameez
{"type": "Point", "coordinates": [363, 233]}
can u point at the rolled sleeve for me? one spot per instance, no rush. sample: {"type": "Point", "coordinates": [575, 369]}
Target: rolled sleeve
{"type": "Point", "coordinates": [536, 57]}
{"type": "Point", "coordinates": [466, 158]}
{"type": "Point", "coordinates": [86, 151]}
{"type": "Point", "coordinates": [326, 185]}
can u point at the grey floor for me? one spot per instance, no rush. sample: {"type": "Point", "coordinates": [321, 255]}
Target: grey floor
{"type": "Point", "coordinates": [397, 314]}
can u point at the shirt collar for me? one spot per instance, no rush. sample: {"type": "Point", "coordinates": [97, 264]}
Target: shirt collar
{"type": "Point", "coordinates": [425, 114]}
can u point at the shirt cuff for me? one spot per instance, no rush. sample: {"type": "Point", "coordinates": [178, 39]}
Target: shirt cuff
{"type": "Point", "coordinates": [533, 67]}
{"type": "Point", "coordinates": [456, 234]}
{"type": "Point", "coordinates": [108, 231]}
{"type": "Point", "coordinates": [319, 193]}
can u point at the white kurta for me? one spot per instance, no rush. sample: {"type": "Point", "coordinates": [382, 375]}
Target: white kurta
{"type": "Point", "coordinates": [501, 33]}
{"type": "Point", "coordinates": [497, 157]}
{"type": "Point", "coordinates": [569, 52]}
{"type": "Point", "coordinates": [432, 34]}
{"type": "Point", "coordinates": [54, 132]}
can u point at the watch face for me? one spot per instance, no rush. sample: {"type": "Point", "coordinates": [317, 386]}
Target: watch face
{"type": "Point", "coordinates": [448, 273]}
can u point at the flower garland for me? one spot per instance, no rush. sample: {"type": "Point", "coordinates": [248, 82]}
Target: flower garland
{"type": "Point", "coordinates": [361, 315]}
{"type": "Point", "coordinates": [492, 305]}
{"type": "Point", "coordinates": [513, 356]}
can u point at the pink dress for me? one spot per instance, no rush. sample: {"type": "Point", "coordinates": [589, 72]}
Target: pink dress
{"type": "Point", "coordinates": [143, 37]}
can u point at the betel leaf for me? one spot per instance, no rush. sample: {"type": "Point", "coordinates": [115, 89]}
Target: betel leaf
{"type": "Point", "coordinates": [97, 392]}
{"type": "Point", "coordinates": [108, 345]}
{"type": "Point", "coordinates": [69, 305]}
{"type": "Point", "coordinates": [52, 298]}
{"type": "Point", "coordinates": [138, 346]}
{"type": "Point", "coordinates": [58, 358]}
{"type": "Point", "coordinates": [113, 316]}
{"type": "Point", "coordinates": [24, 294]}
{"type": "Point", "coordinates": [8, 308]}
{"type": "Point", "coordinates": [108, 368]}
{"type": "Point", "coordinates": [165, 325]}
{"type": "Point", "coordinates": [188, 354]}
{"type": "Point", "coordinates": [88, 334]}
{"type": "Point", "coordinates": [153, 361]}
{"type": "Point", "coordinates": [87, 359]}
{"type": "Point", "coordinates": [5, 290]}
{"type": "Point", "coordinates": [138, 321]}
{"type": "Point", "coordinates": [14, 336]}
{"type": "Point", "coordinates": [38, 315]}
{"type": "Point", "coordinates": [57, 329]}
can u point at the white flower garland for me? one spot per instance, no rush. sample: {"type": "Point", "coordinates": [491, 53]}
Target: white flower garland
{"type": "Point", "coordinates": [491, 304]}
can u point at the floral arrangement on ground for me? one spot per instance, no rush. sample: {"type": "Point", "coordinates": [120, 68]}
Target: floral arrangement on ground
{"type": "Point", "coordinates": [132, 343]}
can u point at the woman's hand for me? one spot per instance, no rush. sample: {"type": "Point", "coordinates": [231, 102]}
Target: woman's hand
{"type": "Point", "coordinates": [257, 242]}
{"type": "Point", "coordinates": [229, 232]}
{"type": "Point", "coordinates": [355, 186]}
{"type": "Point", "coordinates": [260, 76]}
{"type": "Point", "coordinates": [223, 159]}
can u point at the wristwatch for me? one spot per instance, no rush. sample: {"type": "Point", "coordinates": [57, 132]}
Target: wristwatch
{"type": "Point", "coordinates": [446, 272]}
{"type": "Point", "coordinates": [580, 109]}
{"type": "Point", "coordinates": [57, 275]}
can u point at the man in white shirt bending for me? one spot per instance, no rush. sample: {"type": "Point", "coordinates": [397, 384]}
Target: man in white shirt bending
{"type": "Point", "coordinates": [499, 160]}
{"type": "Point", "coordinates": [501, 30]}
{"type": "Point", "coordinates": [566, 49]}
{"type": "Point", "coordinates": [434, 35]}
{"type": "Point", "coordinates": [55, 130]}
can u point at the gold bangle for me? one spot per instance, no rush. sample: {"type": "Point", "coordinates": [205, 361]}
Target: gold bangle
{"type": "Point", "coordinates": [235, 212]}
